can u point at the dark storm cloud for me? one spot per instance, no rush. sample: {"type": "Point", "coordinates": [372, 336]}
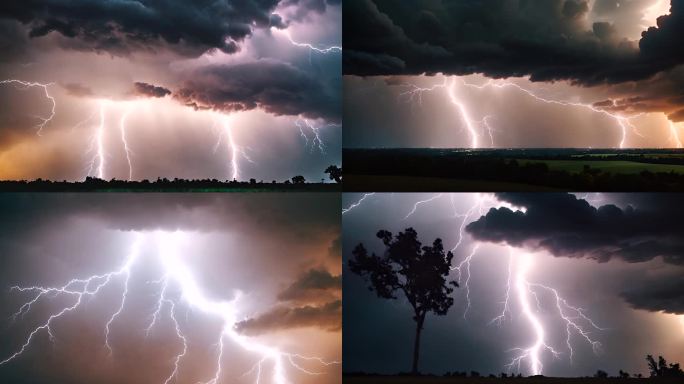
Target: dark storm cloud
{"type": "Point", "coordinates": [274, 86]}
{"type": "Point", "coordinates": [304, 7]}
{"type": "Point", "coordinates": [661, 93]}
{"type": "Point", "coordinates": [313, 300]}
{"type": "Point", "coordinates": [649, 226]}
{"type": "Point", "coordinates": [327, 317]}
{"type": "Point", "coordinates": [312, 286]}
{"type": "Point", "coordinates": [149, 90]}
{"type": "Point", "coordinates": [658, 294]}
{"type": "Point", "coordinates": [543, 39]}
{"type": "Point", "coordinates": [120, 27]}
{"type": "Point", "coordinates": [567, 226]}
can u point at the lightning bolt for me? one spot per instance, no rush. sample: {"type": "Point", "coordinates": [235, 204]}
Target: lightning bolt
{"type": "Point", "coordinates": [519, 265]}
{"type": "Point", "coordinates": [312, 48]}
{"type": "Point", "coordinates": [127, 149]}
{"type": "Point", "coordinates": [234, 150]}
{"type": "Point", "coordinates": [316, 141]}
{"type": "Point", "coordinates": [29, 84]}
{"type": "Point", "coordinates": [530, 353]}
{"type": "Point", "coordinates": [176, 273]}
{"type": "Point", "coordinates": [674, 134]}
{"type": "Point", "coordinates": [97, 163]}
{"type": "Point", "coordinates": [415, 93]}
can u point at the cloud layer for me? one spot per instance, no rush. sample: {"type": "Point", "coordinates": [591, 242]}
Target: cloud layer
{"type": "Point", "coordinates": [546, 40]}
{"type": "Point", "coordinates": [121, 27]}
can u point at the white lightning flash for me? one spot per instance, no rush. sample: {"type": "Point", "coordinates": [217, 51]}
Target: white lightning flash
{"type": "Point", "coordinates": [97, 163]}
{"type": "Point", "coordinates": [305, 125]}
{"type": "Point", "coordinates": [177, 275]}
{"type": "Point", "coordinates": [474, 127]}
{"type": "Point", "coordinates": [311, 47]}
{"type": "Point", "coordinates": [234, 150]}
{"type": "Point", "coordinates": [357, 203]}
{"type": "Point", "coordinates": [127, 149]}
{"type": "Point", "coordinates": [29, 84]}
{"type": "Point", "coordinates": [576, 321]}
{"type": "Point", "coordinates": [415, 93]}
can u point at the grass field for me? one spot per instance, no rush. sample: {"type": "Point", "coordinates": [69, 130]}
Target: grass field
{"type": "Point", "coordinates": [360, 183]}
{"type": "Point", "coordinates": [622, 167]}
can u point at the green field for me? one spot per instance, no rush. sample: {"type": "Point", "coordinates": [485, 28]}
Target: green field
{"type": "Point", "coordinates": [621, 167]}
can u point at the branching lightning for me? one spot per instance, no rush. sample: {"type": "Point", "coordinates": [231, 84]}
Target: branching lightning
{"type": "Point", "coordinates": [530, 295]}
{"type": "Point", "coordinates": [29, 84]}
{"type": "Point", "coordinates": [474, 127]}
{"type": "Point", "coordinates": [305, 125]}
{"type": "Point", "coordinates": [175, 275]}
{"type": "Point", "coordinates": [311, 47]}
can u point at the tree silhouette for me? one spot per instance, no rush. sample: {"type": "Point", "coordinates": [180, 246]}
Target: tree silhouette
{"type": "Point", "coordinates": [662, 368]}
{"type": "Point", "coordinates": [299, 179]}
{"type": "Point", "coordinates": [601, 374]}
{"type": "Point", "coordinates": [335, 173]}
{"type": "Point", "coordinates": [419, 272]}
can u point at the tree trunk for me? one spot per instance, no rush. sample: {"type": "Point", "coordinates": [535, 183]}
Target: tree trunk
{"type": "Point", "coordinates": [416, 346]}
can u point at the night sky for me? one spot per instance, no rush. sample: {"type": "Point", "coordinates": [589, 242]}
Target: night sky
{"type": "Point", "coordinates": [615, 256]}
{"type": "Point", "coordinates": [545, 73]}
{"type": "Point", "coordinates": [183, 78]}
{"type": "Point", "coordinates": [280, 251]}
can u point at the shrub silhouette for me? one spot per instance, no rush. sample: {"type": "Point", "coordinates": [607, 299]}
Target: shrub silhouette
{"type": "Point", "coordinates": [419, 272]}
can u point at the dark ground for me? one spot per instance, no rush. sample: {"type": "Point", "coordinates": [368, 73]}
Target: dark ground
{"type": "Point", "coordinates": [352, 379]}
{"type": "Point", "coordinates": [162, 185]}
{"type": "Point", "coordinates": [498, 170]}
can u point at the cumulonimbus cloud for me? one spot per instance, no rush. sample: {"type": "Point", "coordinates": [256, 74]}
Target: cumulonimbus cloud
{"type": "Point", "coordinates": [121, 27]}
{"type": "Point", "coordinates": [274, 86]}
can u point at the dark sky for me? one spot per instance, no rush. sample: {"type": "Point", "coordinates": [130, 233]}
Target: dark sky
{"type": "Point", "coordinates": [281, 251]}
{"type": "Point", "coordinates": [616, 256]}
{"type": "Point", "coordinates": [612, 70]}
{"type": "Point", "coordinates": [178, 75]}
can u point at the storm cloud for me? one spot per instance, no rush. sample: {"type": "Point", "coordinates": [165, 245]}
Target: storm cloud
{"type": "Point", "coordinates": [276, 87]}
{"type": "Point", "coordinates": [546, 40]}
{"type": "Point", "coordinates": [122, 27]}
{"type": "Point", "coordinates": [327, 317]}
{"type": "Point", "coordinates": [569, 226]}
{"type": "Point", "coordinates": [149, 90]}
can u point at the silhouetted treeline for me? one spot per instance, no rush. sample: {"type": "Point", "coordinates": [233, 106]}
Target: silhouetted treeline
{"type": "Point", "coordinates": [660, 371]}
{"type": "Point", "coordinates": [501, 166]}
{"type": "Point", "coordinates": [297, 183]}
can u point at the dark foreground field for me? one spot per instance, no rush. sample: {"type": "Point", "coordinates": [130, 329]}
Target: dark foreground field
{"type": "Point", "coordinates": [596, 170]}
{"type": "Point", "coordinates": [163, 185]}
{"type": "Point", "coordinates": [351, 379]}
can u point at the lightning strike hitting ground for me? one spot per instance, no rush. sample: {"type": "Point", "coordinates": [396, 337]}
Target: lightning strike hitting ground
{"type": "Point", "coordinates": [28, 84]}
{"type": "Point", "coordinates": [177, 275]}
{"type": "Point", "coordinates": [97, 163]}
{"type": "Point", "coordinates": [519, 264]}
{"type": "Point", "coordinates": [415, 93]}
{"type": "Point", "coordinates": [127, 149]}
